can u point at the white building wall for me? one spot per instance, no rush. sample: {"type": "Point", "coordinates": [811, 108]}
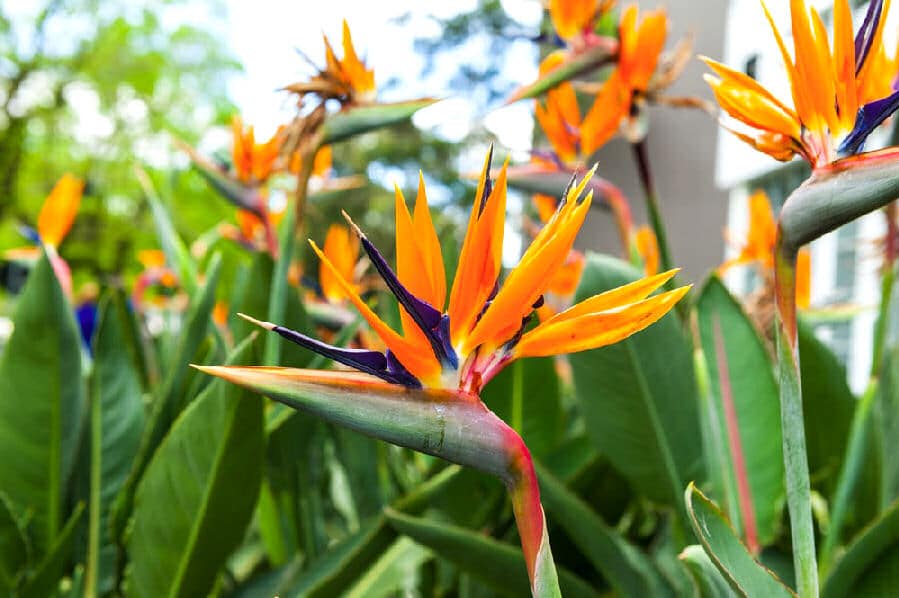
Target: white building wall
{"type": "Point", "coordinates": [748, 34]}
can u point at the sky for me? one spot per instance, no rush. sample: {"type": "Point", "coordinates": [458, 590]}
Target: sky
{"type": "Point", "coordinates": [264, 35]}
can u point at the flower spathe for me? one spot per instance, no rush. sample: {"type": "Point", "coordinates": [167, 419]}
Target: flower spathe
{"type": "Point", "coordinates": [841, 91]}
{"type": "Point", "coordinates": [459, 339]}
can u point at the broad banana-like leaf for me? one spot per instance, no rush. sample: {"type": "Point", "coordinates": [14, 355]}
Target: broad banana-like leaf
{"type": "Point", "coordinates": [747, 411]}
{"type": "Point", "coordinates": [176, 252]}
{"type": "Point", "coordinates": [745, 575]}
{"type": "Point", "coordinates": [41, 406]}
{"type": "Point", "coordinates": [196, 498]}
{"type": "Point", "coordinates": [362, 119]}
{"type": "Point", "coordinates": [575, 65]}
{"type": "Point", "coordinates": [172, 396]}
{"type": "Point", "coordinates": [870, 565]}
{"type": "Point", "coordinates": [494, 563]}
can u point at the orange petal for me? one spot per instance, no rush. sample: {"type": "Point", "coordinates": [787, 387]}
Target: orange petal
{"type": "Point", "coordinates": [804, 106]}
{"type": "Point", "coordinates": [648, 248]}
{"type": "Point", "coordinates": [59, 209]}
{"type": "Point", "coordinates": [151, 258]}
{"type": "Point", "coordinates": [614, 298]}
{"type": "Point", "coordinates": [480, 259]}
{"type": "Point", "coordinates": [409, 267]}
{"type": "Point", "coordinates": [844, 65]}
{"type": "Point", "coordinates": [322, 163]}
{"type": "Point", "coordinates": [418, 359]}
{"type": "Point", "coordinates": [602, 121]}
{"type": "Point", "coordinates": [565, 280]}
{"type": "Point", "coordinates": [762, 234]}
{"type": "Point", "coordinates": [596, 329]}
{"type": "Point", "coordinates": [530, 278]}
{"type": "Point", "coordinates": [429, 245]}
{"type": "Point", "coordinates": [546, 206]}
{"type": "Point", "coordinates": [638, 65]}
{"type": "Point", "coordinates": [362, 80]}
{"type": "Point", "coordinates": [342, 250]}
{"type": "Point", "coordinates": [878, 72]}
{"type": "Point", "coordinates": [813, 70]}
{"type": "Point", "coordinates": [571, 17]}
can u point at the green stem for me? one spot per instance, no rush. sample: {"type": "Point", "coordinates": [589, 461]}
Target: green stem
{"type": "Point", "coordinates": [794, 451]}
{"type": "Point", "coordinates": [849, 473]}
{"type": "Point", "coordinates": [290, 228]}
{"type": "Point", "coordinates": [641, 155]}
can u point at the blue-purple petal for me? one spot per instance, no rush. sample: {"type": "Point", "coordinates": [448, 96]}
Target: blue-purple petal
{"type": "Point", "coordinates": [425, 316]}
{"type": "Point", "coordinates": [865, 35]}
{"type": "Point", "coordinates": [364, 360]}
{"type": "Point", "coordinates": [869, 117]}
{"type": "Point", "coordinates": [30, 233]}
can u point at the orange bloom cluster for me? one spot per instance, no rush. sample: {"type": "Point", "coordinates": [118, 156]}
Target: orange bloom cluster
{"type": "Point", "coordinates": [758, 249]}
{"type": "Point", "coordinates": [837, 89]}
{"type": "Point", "coordinates": [484, 325]}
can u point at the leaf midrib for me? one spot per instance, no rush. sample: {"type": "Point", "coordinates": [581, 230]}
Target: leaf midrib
{"type": "Point", "coordinates": [658, 430]}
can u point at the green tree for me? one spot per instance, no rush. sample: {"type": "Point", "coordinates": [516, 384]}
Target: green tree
{"type": "Point", "coordinates": [95, 88]}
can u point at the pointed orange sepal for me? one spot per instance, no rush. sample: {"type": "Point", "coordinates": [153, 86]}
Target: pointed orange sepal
{"type": "Point", "coordinates": [59, 209]}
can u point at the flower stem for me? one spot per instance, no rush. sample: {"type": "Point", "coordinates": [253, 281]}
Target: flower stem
{"type": "Point", "coordinates": [652, 204]}
{"type": "Point", "coordinates": [794, 451]}
{"type": "Point", "coordinates": [529, 516]}
{"type": "Point", "coordinates": [290, 228]}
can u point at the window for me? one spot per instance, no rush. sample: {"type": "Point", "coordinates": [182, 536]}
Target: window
{"type": "Point", "coordinates": [847, 255]}
{"type": "Point", "coordinates": [838, 338]}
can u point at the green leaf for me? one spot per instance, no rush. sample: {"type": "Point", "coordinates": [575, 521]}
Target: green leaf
{"type": "Point", "coordinates": [394, 573]}
{"type": "Point", "coordinates": [745, 574]}
{"type": "Point", "coordinates": [639, 397]}
{"type": "Point", "coordinates": [193, 504]}
{"type": "Point", "coordinates": [526, 396]}
{"type": "Point", "coordinates": [45, 578]}
{"type": "Point", "coordinates": [362, 119]}
{"type": "Point", "coordinates": [176, 254]}
{"type": "Point", "coordinates": [347, 560]}
{"type": "Point", "coordinates": [870, 566]}
{"type": "Point", "coordinates": [334, 571]}
{"type": "Point", "coordinates": [751, 408]}
{"type": "Point", "coordinates": [41, 405]}
{"type": "Point", "coordinates": [627, 570]}
{"type": "Point", "coordinates": [888, 417]}
{"type": "Point", "coordinates": [575, 65]}
{"type": "Point", "coordinates": [171, 398]}
{"type": "Point", "coordinates": [13, 549]}
{"type": "Point", "coordinates": [828, 406]}
{"type": "Point", "coordinates": [707, 578]}
{"type": "Point", "coordinates": [494, 563]}
{"type": "Point", "coordinates": [117, 418]}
